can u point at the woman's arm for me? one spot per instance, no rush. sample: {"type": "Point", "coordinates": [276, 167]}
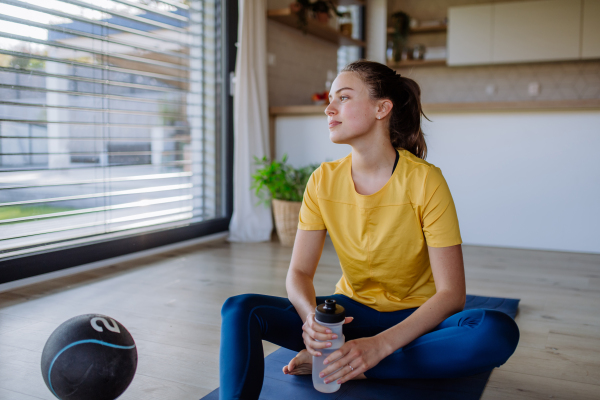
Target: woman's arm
{"type": "Point", "coordinates": [449, 275]}
{"type": "Point", "coordinates": [308, 247]}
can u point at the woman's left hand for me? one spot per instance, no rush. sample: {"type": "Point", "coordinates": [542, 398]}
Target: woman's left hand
{"type": "Point", "coordinates": [360, 354]}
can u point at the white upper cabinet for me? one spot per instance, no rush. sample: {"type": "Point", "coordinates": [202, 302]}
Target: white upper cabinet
{"type": "Point", "coordinates": [590, 41]}
{"type": "Point", "coordinates": [523, 31]}
{"type": "Point", "coordinates": [536, 31]}
{"type": "Point", "coordinates": [469, 39]}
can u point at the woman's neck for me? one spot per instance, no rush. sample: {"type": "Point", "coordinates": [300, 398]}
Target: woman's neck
{"type": "Point", "coordinates": [373, 158]}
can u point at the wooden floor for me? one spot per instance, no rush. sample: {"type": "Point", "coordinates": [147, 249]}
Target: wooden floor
{"type": "Point", "coordinates": [171, 304]}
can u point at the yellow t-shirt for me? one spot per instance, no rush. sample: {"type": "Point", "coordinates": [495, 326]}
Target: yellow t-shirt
{"type": "Point", "coordinates": [381, 239]}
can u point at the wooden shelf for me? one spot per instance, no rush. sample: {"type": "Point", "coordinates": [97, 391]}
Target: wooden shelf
{"type": "Point", "coordinates": [298, 110]}
{"type": "Point", "coordinates": [539, 105]}
{"type": "Point", "coordinates": [349, 2]}
{"type": "Point", "coordinates": [322, 31]}
{"type": "Point", "coordinates": [424, 29]}
{"type": "Point", "coordinates": [417, 63]}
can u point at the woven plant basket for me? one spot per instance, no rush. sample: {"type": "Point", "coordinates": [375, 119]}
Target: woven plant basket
{"type": "Point", "coordinates": [286, 220]}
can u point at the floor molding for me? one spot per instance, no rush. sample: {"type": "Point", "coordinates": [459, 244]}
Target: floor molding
{"type": "Point", "coordinates": [217, 237]}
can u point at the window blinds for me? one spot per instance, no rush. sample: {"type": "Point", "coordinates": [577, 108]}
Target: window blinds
{"type": "Point", "coordinates": [109, 119]}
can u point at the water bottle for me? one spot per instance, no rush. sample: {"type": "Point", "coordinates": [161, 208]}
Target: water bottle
{"type": "Point", "coordinates": [332, 316]}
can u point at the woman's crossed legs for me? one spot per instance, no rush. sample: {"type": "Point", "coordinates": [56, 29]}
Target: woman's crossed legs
{"type": "Point", "coordinates": [466, 343]}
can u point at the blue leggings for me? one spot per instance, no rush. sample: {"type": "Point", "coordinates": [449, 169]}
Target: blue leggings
{"type": "Point", "coordinates": [467, 343]}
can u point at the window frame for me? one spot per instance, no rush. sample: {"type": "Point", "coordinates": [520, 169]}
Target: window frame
{"type": "Point", "coordinates": [42, 262]}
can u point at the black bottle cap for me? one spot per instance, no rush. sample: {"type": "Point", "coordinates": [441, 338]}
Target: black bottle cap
{"type": "Point", "coordinates": [330, 312]}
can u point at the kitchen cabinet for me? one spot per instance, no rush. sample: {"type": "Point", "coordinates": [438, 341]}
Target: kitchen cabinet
{"type": "Point", "coordinates": [470, 35]}
{"type": "Point", "coordinates": [590, 32]}
{"type": "Point", "coordinates": [536, 31]}
{"type": "Point", "coordinates": [528, 31]}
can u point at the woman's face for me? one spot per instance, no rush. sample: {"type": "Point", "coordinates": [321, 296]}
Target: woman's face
{"type": "Point", "coordinates": [351, 113]}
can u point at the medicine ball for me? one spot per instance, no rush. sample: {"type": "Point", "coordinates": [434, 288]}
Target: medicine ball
{"type": "Point", "coordinates": [89, 357]}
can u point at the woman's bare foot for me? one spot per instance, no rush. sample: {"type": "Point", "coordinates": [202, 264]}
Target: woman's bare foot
{"type": "Point", "coordinates": [299, 365]}
{"type": "Point", "coordinates": [302, 365]}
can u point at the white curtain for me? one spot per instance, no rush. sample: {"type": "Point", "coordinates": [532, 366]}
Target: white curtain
{"type": "Point", "coordinates": [250, 222]}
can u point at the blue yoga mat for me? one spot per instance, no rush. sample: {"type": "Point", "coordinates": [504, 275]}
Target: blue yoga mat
{"type": "Point", "coordinates": [279, 386]}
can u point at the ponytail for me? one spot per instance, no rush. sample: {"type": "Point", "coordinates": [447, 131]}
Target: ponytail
{"type": "Point", "coordinates": [405, 94]}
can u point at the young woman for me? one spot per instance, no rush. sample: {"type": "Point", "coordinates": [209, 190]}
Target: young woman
{"type": "Point", "coordinates": [393, 223]}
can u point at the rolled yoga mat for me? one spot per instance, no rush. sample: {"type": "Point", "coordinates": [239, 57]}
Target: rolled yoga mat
{"type": "Point", "coordinates": [279, 386]}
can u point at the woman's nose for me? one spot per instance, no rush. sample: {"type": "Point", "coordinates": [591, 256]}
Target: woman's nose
{"type": "Point", "coordinates": [330, 110]}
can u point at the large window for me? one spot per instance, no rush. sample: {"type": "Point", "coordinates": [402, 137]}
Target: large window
{"type": "Point", "coordinates": [110, 119]}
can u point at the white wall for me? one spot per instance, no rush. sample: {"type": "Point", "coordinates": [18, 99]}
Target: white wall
{"type": "Point", "coordinates": [305, 139]}
{"type": "Point", "coordinates": [519, 179]}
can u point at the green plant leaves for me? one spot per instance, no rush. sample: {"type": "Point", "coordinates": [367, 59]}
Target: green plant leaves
{"type": "Point", "coordinates": [279, 180]}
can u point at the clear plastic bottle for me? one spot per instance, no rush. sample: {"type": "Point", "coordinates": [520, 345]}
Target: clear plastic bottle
{"type": "Point", "coordinates": [332, 316]}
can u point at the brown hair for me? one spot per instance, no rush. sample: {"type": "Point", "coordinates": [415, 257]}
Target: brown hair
{"type": "Point", "coordinates": [405, 94]}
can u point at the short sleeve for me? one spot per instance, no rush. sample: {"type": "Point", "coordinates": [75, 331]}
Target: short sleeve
{"type": "Point", "coordinates": [310, 214]}
{"type": "Point", "coordinates": [439, 219]}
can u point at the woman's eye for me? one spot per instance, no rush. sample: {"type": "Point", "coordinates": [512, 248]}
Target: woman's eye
{"type": "Point", "coordinates": [343, 97]}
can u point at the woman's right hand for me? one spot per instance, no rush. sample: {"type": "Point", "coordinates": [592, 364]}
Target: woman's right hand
{"type": "Point", "coordinates": [312, 331]}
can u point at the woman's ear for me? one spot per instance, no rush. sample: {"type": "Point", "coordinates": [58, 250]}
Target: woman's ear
{"type": "Point", "coordinates": [384, 108]}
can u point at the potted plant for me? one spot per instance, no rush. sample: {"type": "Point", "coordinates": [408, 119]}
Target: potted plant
{"type": "Point", "coordinates": [401, 24]}
{"type": "Point", "coordinates": [318, 9]}
{"type": "Point", "coordinates": [282, 185]}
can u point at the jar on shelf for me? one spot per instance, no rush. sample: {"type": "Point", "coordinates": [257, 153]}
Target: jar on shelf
{"type": "Point", "coordinates": [346, 24]}
{"type": "Point", "coordinates": [418, 52]}
{"type": "Point", "coordinates": [389, 52]}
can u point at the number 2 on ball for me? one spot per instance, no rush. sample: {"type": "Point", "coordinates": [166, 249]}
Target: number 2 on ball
{"type": "Point", "coordinates": [113, 328]}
